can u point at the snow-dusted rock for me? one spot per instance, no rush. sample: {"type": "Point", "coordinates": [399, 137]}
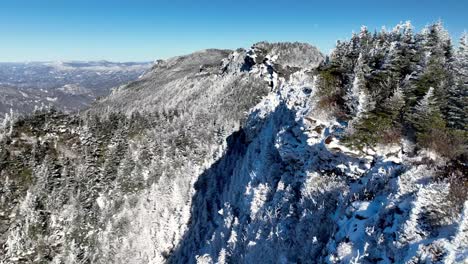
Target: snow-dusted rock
{"type": "Point", "coordinates": [218, 157]}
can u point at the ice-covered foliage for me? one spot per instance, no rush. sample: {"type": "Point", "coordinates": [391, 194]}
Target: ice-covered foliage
{"type": "Point", "coordinates": [399, 84]}
{"type": "Point", "coordinates": [287, 191]}
{"type": "Point", "coordinates": [222, 157]}
{"type": "Point", "coordinates": [118, 179]}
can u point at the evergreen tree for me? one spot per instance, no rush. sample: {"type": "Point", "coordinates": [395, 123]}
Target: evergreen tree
{"type": "Point", "coordinates": [402, 51]}
{"type": "Point", "coordinates": [365, 40]}
{"type": "Point", "coordinates": [394, 105]}
{"type": "Point", "coordinates": [381, 125]}
{"type": "Point", "coordinates": [338, 56]}
{"type": "Point", "coordinates": [436, 58]}
{"type": "Point", "coordinates": [390, 80]}
{"type": "Point", "coordinates": [458, 93]}
{"type": "Point", "coordinates": [357, 97]}
{"type": "Point", "coordinates": [427, 117]}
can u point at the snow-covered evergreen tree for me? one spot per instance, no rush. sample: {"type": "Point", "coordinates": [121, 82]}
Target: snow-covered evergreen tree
{"type": "Point", "coordinates": [401, 56]}
{"type": "Point", "coordinates": [435, 40]}
{"type": "Point", "coordinates": [395, 103]}
{"type": "Point", "coordinates": [427, 117]}
{"type": "Point", "coordinates": [358, 100]}
{"type": "Point", "coordinates": [437, 56]}
{"type": "Point", "coordinates": [458, 251]}
{"type": "Point", "coordinates": [458, 93]}
{"type": "Point", "coordinates": [365, 39]}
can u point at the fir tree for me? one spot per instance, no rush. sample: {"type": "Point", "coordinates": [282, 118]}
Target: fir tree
{"type": "Point", "coordinates": [357, 98]}
{"type": "Point", "coordinates": [427, 117]}
{"type": "Point", "coordinates": [458, 93]}
{"type": "Point", "coordinates": [436, 57]}
{"type": "Point", "coordinates": [365, 39]}
{"type": "Point", "coordinates": [394, 105]}
{"type": "Point", "coordinates": [402, 51]}
{"type": "Point", "coordinates": [381, 125]}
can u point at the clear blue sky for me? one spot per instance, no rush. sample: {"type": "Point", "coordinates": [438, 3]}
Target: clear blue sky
{"type": "Point", "coordinates": [139, 30]}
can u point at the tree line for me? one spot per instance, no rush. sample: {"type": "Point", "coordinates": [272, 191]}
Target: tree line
{"type": "Point", "coordinates": [397, 84]}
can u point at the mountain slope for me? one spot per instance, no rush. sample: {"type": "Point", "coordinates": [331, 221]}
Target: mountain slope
{"type": "Point", "coordinates": [90, 185]}
{"type": "Point", "coordinates": [223, 157]}
{"type": "Point", "coordinates": [286, 191]}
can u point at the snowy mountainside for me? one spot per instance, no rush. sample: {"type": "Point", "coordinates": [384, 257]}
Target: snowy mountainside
{"type": "Point", "coordinates": [287, 191]}
{"type": "Point", "coordinates": [220, 157]}
{"type": "Point", "coordinates": [118, 179]}
{"type": "Point", "coordinates": [213, 68]}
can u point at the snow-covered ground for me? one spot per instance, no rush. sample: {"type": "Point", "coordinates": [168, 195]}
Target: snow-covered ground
{"type": "Point", "coordinates": [294, 194]}
{"type": "Point", "coordinates": [247, 170]}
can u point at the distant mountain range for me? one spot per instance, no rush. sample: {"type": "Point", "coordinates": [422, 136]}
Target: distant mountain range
{"type": "Point", "coordinates": [66, 86]}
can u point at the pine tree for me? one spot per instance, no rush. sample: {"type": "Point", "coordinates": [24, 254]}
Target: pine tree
{"type": "Point", "coordinates": [355, 46]}
{"type": "Point", "coordinates": [402, 52]}
{"type": "Point", "coordinates": [357, 98]}
{"type": "Point", "coordinates": [394, 80]}
{"type": "Point", "coordinates": [338, 56]}
{"type": "Point", "coordinates": [458, 93]}
{"type": "Point", "coordinates": [365, 39]}
{"type": "Point", "coordinates": [435, 39]}
{"type": "Point", "coordinates": [427, 118]}
{"type": "Point", "coordinates": [436, 58]}
{"type": "Point", "coordinates": [394, 105]}
{"type": "Point", "coordinates": [381, 125]}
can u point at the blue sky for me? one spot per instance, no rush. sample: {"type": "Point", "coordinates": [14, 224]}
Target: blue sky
{"type": "Point", "coordinates": [139, 30]}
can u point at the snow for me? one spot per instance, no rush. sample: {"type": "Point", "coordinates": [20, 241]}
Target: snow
{"type": "Point", "coordinates": [358, 234]}
{"type": "Point", "coordinates": [281, 189]}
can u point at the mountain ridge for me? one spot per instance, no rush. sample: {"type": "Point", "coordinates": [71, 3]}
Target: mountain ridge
{"type": "Point", "coordinates": [228, 157]}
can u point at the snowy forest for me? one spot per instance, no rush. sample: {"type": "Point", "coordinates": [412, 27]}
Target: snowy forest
{"type": "Point", "coordinates": [272, 154]}
{"type": "Point", "coordinates": [394, 84]}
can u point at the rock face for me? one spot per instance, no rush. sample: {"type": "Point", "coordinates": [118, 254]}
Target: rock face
{"type": "Point", "coordinates": [67, 86]}
{"type": "Point", "coordinates": [217, 157]}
